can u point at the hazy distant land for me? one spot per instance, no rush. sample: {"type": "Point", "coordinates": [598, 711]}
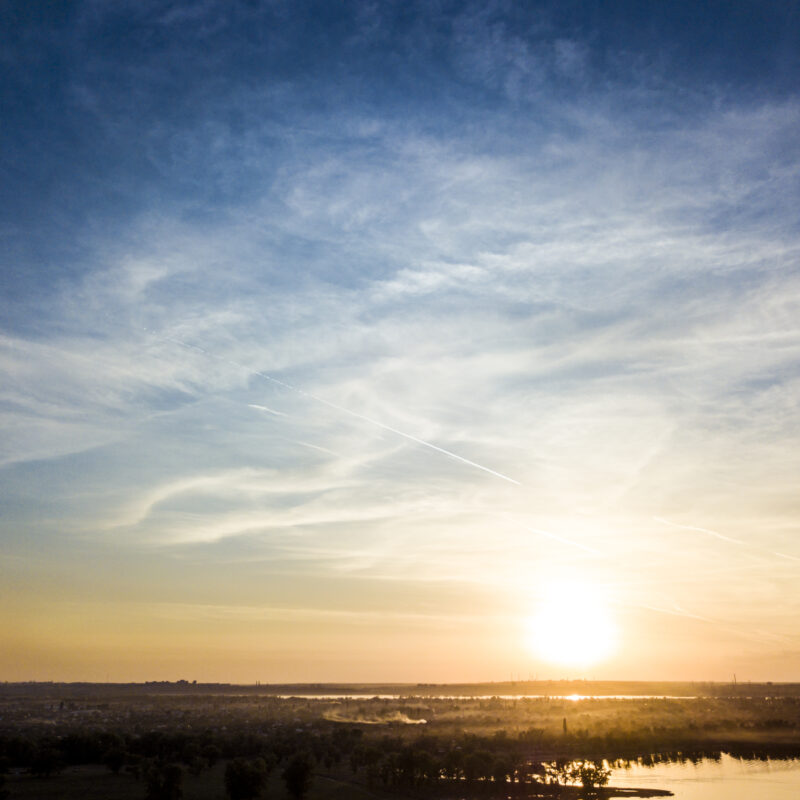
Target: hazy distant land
{"type": "Point", "coordinates": [536, 688]}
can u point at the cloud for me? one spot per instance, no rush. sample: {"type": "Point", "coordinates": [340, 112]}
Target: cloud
{"type": "Point", "coordinates": [321, 315]}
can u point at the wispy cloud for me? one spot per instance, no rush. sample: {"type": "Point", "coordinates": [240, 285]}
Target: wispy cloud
{"type": "Point", "coordinates": [534, 316]}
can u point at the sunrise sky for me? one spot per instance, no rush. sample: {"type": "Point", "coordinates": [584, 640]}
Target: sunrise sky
{"type": "Point", "coordinates": [388, 341]}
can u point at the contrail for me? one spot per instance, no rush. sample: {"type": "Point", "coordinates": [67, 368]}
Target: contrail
{"type": "Point", "coordinates": [349, 412]}
{"type": "Point", "coordinates": [563, 540]}
{"type": "Point", "coordinates": [755, 636]}
{"type": "Point", "coordinates": [676, 612]}
{"type": "Point", "coordinates": [785, 555]}
{"type": "Point", "coordinates": [316, 447]}
{"type": "Point", "coordinates": [267, 409]}
{"type": "Point", "coordinates": [511, 520]}
{"type": "Point", "coordinates": [722, 536]}
{"type": "Point", "coordinates": [707, 531]}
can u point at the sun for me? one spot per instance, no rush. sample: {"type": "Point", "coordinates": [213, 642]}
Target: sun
{"type": "Point", "coordinates": [572, 625]}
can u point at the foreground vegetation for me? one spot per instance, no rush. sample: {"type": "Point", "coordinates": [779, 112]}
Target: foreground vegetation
{"type": "Point", "coordinates": [200, 744]}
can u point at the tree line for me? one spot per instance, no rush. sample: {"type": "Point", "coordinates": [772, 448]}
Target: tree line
{"type": "Point", "coordinates": [470, 762]}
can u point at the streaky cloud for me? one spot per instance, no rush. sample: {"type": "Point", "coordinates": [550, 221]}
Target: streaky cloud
{"type": "Point", "coordinates": [350, 412]}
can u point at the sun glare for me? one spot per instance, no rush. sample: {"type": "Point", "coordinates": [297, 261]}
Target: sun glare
{"type": "Point", "coordinates": [572, 626]}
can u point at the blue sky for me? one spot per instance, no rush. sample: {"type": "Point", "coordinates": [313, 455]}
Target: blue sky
{"type": "Point", "coordinates": [274, 273]}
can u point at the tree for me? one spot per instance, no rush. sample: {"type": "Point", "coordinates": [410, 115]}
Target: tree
{"type": "Point", "coordinates": [46, 762]}
{"type": "Point", "coordinates": [477, 765]}
{"type": "Point", "coordinates": [114, 759]}
{"type": "Point", "coordinates": [164, 782]}
{"type": "Point", "coordinates": [211, 753]}
{"type": "Point", "coordinates": [502, 769]}
{"type": "Point", "coordinates": [297, 776]}
{"type": "Point", "coordinates": [245, 778]}
{"type": "Point", "coordinates": [590, 774]}
{"type": "Point", "coordinates": [558, 772]}
{"type": "Point", "coordinates": [452, 764]}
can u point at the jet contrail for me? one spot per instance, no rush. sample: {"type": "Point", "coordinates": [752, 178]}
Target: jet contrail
{"type": "Point", "coordinates": [267, 409]}
{"type": "Point", "coordinates": [316, 447]}
{"type": "Point", "coordinates": [675, 612]}
{"type": "Point", "coordinates": [707, 531]}
{"type": "Point", "coordinates": [756, 636]}
{"type": "Point", "coordinates": [347, 411]}
{"type": "Point", "coordinates": [785, 555]}
{"type": "Point", "coordinates": [563, 540]}
{"type": "Point", "coordinates": [722, 536]}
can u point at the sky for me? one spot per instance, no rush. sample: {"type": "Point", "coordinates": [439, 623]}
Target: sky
{"type": "Point", "coordinates": [399, 341]}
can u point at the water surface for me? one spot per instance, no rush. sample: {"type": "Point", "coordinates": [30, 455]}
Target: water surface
{"type": "Point", "coordinates": [727, 779]}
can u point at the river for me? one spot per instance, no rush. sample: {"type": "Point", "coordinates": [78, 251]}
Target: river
{"type": "Point", "coordinates": [726, 779]}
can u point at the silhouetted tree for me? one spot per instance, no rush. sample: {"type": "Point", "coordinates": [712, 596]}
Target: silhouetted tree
{"type": "Point", "coordinates": [297, 776]}
{"type": "Point", "coordinates": [20, 751]}
{"type": "Point", "coordinates": [501, 770]}
{"type": "Point", "coordinates": [590, 774]}
{"type": "Point", "coordinates": [453, 763]}
{"type": "Point", "coordinates": [114, 758]}
{"type": "Point", "coordinates": [558, 772]}
{"type": "Point", "coordinates": [211, 753]}
{"type": "Point", "coordinates": [245, 778]}
{"type": "Point", "coordinates": [46, 762]}
{"type": "Point", "coordinates": [164, 782]}
{"type": "Point", "coordinates": [477, 765]}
